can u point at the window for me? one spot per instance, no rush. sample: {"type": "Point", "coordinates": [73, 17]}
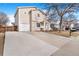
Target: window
{"type": "Point", "coordinates": [42, 23]}
{"type": "Point", "coordinates": [38, 24]}
{"type": "Point", "coordinates": [38, 15]}
{"type": "Point", "coordinates": [24, 12]}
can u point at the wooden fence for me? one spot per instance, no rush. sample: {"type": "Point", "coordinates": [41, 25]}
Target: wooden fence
{"type": "Point", "coordinates": [8, 28]}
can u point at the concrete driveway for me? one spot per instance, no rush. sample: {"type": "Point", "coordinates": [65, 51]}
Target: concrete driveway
{"type": "Point", "coordinates": [70, 49]}
{"type": "Point", "coordinates": [39, 44]}
{"type": "Point", "coordinates": [52, 39]}
{"type": "Point", "coordinates": [24, 44]}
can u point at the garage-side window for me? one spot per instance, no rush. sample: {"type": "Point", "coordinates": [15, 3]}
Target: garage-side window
{"type": "Point", "coordinates": [38, 15]}
{"type": "Point", "coordinates": [38, 24]}
{"type": "Point", "coordinates": [24, 12]}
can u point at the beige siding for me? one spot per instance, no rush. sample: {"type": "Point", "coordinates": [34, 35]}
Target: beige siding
{"type": "Point", "coordinates": [23, 18]}
{"type": "Point", "coordinates": [39, 18]}
{"type": "Point", "coordinates": [16, 19]}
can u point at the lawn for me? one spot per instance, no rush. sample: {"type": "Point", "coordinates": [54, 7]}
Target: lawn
{"type": "Point", "coordinates": [1, 43]}
{"type": "Point", "coordinates": [65, 33]}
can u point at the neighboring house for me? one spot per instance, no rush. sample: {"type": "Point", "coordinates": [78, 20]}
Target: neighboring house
{"type": "Point", "coordinates": [54, 24]}
{"type": "Point", "coordinates": [76, 25]}
{"type": "Point", "coordinates": [31, 19]}
{"type": "Point", "coordinates": [65, 24]}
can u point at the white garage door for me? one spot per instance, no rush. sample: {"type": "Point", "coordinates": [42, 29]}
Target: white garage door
{"type": "Point", "coordinates": [24, 27]}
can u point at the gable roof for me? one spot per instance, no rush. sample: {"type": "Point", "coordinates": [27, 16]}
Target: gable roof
{"type": "Point", "coordinates": [41, 11]}
{"type": "Point", "coordinates": [23, 7]}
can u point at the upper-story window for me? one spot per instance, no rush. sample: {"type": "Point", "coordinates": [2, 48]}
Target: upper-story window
{"type": "Point", "coordinates": [38, 15]}
{"type": "Point", "coordinates": [38, 24]}
{"type": "Point", "coordinates": [24, 12]}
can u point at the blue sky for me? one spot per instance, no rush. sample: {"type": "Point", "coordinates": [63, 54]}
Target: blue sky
{"type": "Point", "coordinates": [10, 8]}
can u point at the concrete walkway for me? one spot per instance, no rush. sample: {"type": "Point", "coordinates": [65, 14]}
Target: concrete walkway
{"type": "Point", "coordinates": [70, 49]}
{"type": "Point", "coordinates": [39, 43]}
{"type": "Point", "coordinates": [24, 44]}
{"type": "Point", "coordinates": [52, 39]}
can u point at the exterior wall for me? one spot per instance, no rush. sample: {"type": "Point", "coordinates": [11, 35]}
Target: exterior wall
{"type": "Point", "coordinates": [37, 17]}
{"type": "Point", "coordinates": [16, 19]}
{"type": "Point", "coordinates": [22, 19]}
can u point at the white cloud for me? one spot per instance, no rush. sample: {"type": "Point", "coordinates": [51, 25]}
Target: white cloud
{"type": "Point", "coordinates": [44, 11]}
{"type": "Point", "coordinates": [11, 20]}
{"type": "Point", "coordinates": [78, 22]}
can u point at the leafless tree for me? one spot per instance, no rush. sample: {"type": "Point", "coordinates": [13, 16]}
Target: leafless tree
{"type": "Point", "coordinates": [3, 18]}
{"type": "Point", "coordinates": [71, 18]}
{"type": "Point", "coordinates": [62, 9]}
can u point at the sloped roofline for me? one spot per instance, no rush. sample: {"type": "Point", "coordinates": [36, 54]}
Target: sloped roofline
{"type": "Point", "coordinates": [41, 11]}
{"type": "Point", "coordinates": [22, 7]}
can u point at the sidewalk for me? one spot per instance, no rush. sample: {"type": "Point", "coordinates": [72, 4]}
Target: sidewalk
{"type": "Point", "coordinates": [70, 49]}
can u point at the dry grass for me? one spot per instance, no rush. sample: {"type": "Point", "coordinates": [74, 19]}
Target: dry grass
{"type": "Point", "coordinates": [1, 43]}
{"type": "Point", "coordinates": [65, 33]}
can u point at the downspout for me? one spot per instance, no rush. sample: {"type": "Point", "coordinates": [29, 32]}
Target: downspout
{"type": "Point", "coordinates": [30, 14]}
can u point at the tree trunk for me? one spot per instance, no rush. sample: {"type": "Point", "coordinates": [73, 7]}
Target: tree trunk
{"type": "Point", "coordinates": [60, 25]}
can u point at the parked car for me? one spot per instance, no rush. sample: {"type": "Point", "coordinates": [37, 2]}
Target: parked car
{"type": "Point", "coordinates": [77, 28]}
{"type": "Point", "coordinates": [73, 29]}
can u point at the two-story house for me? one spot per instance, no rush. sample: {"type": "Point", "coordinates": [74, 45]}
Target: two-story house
{"type": "Point", "coordinates": [31, 19]}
